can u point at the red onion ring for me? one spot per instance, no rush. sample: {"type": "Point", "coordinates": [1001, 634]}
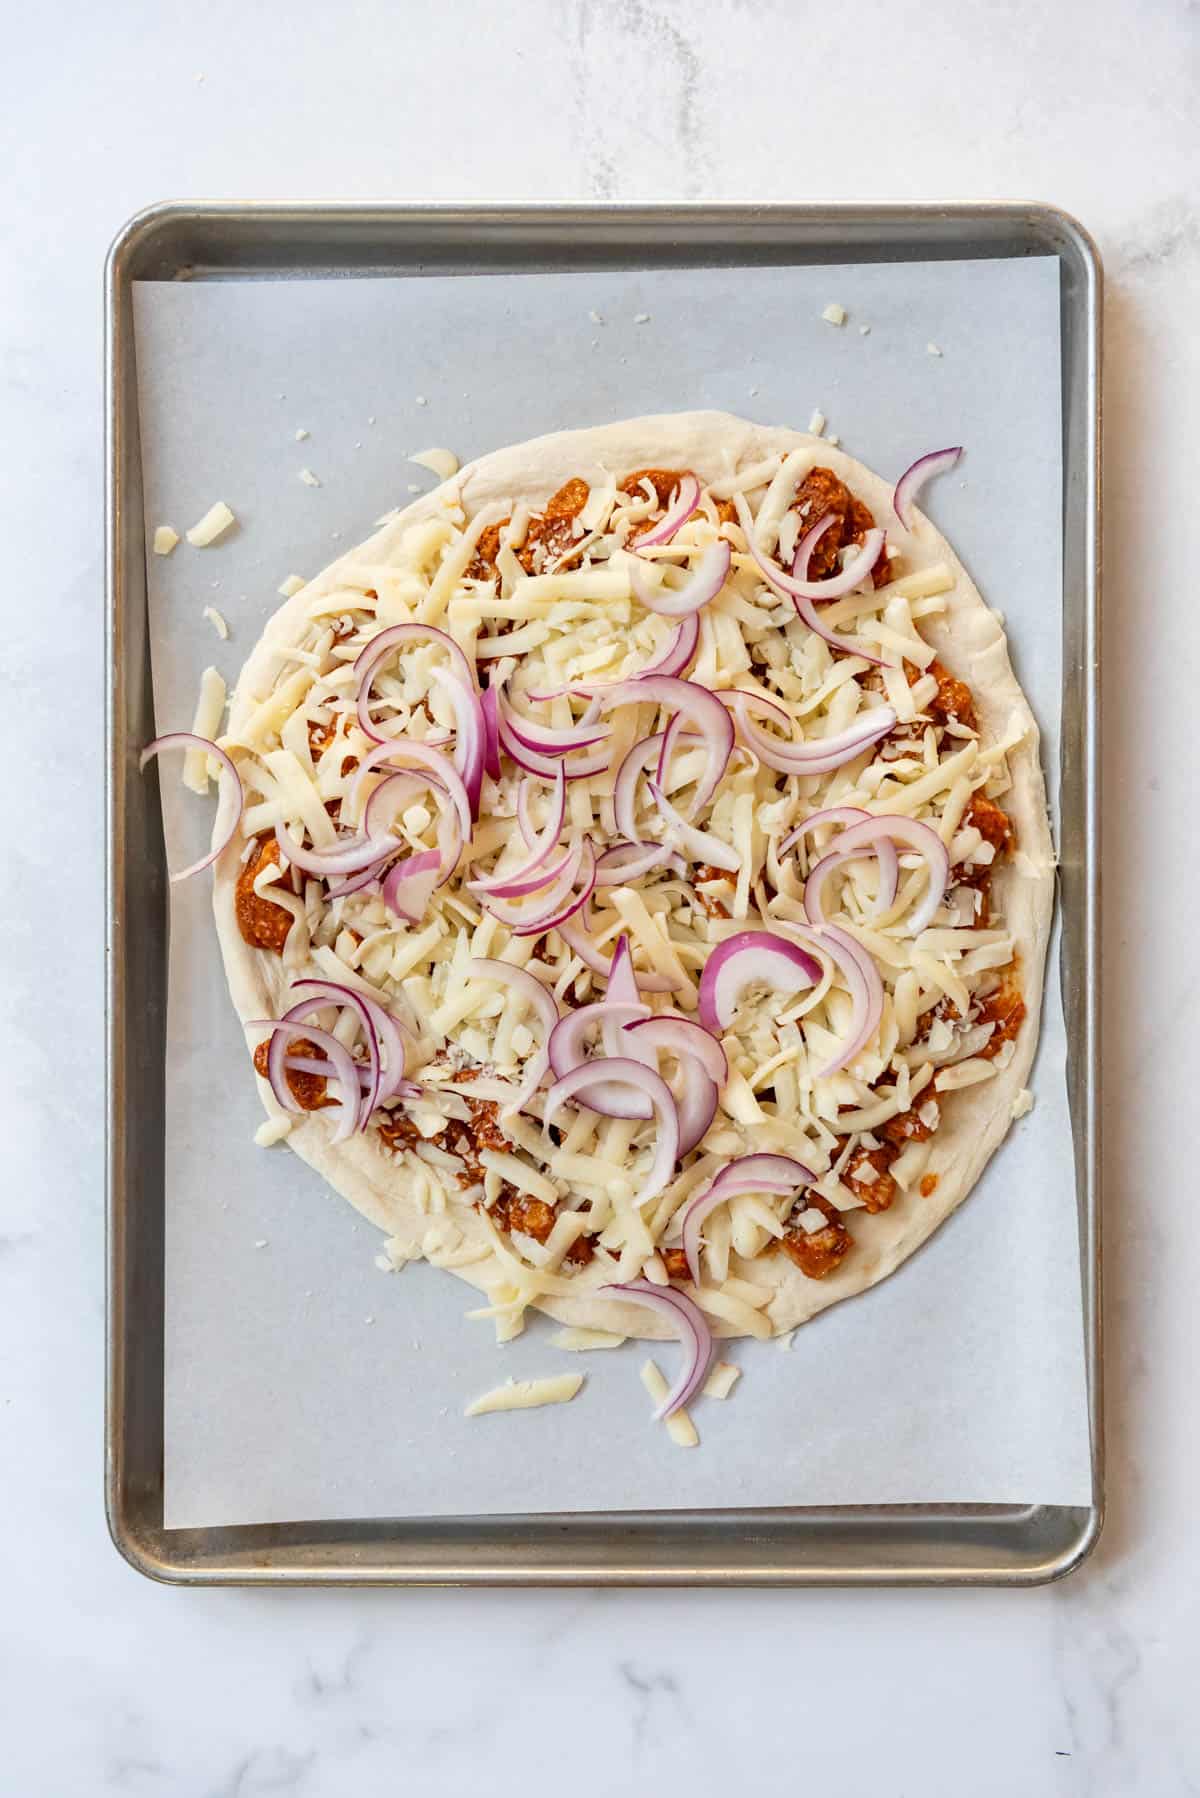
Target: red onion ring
{"type": "Point", "coordinates": [534, 762]}
{"type": "Point", "coordinates": [545, 739]}
{"type": "Point", "coordinates": [871, 834]}
{"type": "Point", "coordinates": [446, 776]}
{"type": "Point", "coordinates": [389, 1032]}
{"type": "Point", "coordinates": [568, 1051]}
{"type": "Point", "coordinates": [751, 957]}
{"type": "Point", "coordinates": [320, 993]}
{"type": "Point", "coordinates": [469, 734]}
{"type": "Point", "coordinates": [700, 845]}
{"type": "Point", "coordinates": [346, 1070]}
{"type": "Point", "coordinates": [629, 861]}
{"type": "Point", "coordinates": [684, 501]}
{"type": "Point", "coordinates": [392, 791]}
{"type": "Point", "coordinates": [889, 863]}
{"type": "Point", "coordinates": [697, 1104]}
{"type": "Point", "coordinates": [595, 1075]}
{"type": "Point", "coordinates": [803, 593]}
{"type": "Point", "coordinates": [702, 585]}
{"type": "Point", "coordinates": [625, 786]}
{"type": "Point", "coordinates": [862, 980]}
{"type": "Point", "coordinates": [368, 661]}
{"type": "Point", "coordinates": [491, 739]}
{"type": "Point", "coordinates": [692, 1328]}
{"type": "Point", "coordinates": [623, 990]}
{"type": "Point", "coordinates": [593, 957]}
{"type": "Point", "coordinates": [734, 698]}
{"type": "Point", "coordinates": [521, 884]}
{"type": "Point", "coordinates": [819, 755]}
{"type": "Point", "coordinates": [361, 882]}
{"type": "Point", "coordinates": [915, 476]}
{"type": "Point", "coordinates": [349, 856]}
{"type": "Point", "coordinates": [230, 796]}
{"type": "Point", "coordinates": [683, 1036]}
{"type": "Point", "coordinates": [409, 885]}
{"type": "Point", "coordinates": [750, 1173]}
{"type": "Point", "coordinates": [566, 873]}
{"type": "Point", "coordinates": [532, 840]}
{"type": "Point", "coordinates": [540, 999]}
{"type": "Point", "coordinates": [678, 651]}
{"type": "Point", "coordinates": [587, 875]}
{"type": "Point", "coordinates": [702, 708]}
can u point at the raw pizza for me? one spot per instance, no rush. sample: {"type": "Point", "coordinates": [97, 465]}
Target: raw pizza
{"type": "Point", "coordinates": [641, 879]}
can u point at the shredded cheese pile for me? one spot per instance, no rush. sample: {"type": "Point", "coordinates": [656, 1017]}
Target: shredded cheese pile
{"type": "Point", "coordinates": [571, 620]}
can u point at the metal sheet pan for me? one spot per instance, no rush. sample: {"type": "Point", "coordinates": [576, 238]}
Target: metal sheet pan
{"type": "Point", "coordinates": [895, 1545]}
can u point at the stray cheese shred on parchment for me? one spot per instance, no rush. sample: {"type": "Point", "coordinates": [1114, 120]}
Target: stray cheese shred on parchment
{"type": "Point", "coordinates": [214, 524]}
{"type": "Point", "coordinates": [680, 1427]}
{"type": "Point", "coordinates": [526, 1395]}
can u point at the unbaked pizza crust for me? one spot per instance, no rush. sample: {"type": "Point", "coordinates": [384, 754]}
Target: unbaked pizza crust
{"type": "Point", "coordinates": [966, 636]}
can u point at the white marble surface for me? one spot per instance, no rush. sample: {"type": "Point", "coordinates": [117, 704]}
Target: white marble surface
{"type": "Point", "coordinates": [108, 1684]}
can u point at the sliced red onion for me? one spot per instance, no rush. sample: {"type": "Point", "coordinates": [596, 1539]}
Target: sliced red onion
{"type": "Point", "coordinates": [702, 585]}
{"type": "Point", "coordinates": [346, 1070]}
{"type": "Point", "coordinates": [548, 901]}
{"type": "Point", "coordinates": [393, 791]}
{"type": "Point", "coordinates": [229, 794]}
{"type": "Point", "coordinates": [523, 882]}
{"type": "Point", "coordinates": [682, 1036]}
{"type": "Point", "coordinates": [689, 1324]}
{"type": "Point", "coordinates": [596, 1076]}
{"type": "Point", "coordinates": [915, 477]}
{"type": "Point", "coordinates": [820, 755]}
{"type": "Point", "coordinates": [626, 782]}
{"type": "Point", "coordinates": [535, 762]}
{"type": "Point", "coordinates": [804, 593]}
{"type": "Point", "coordinates": [545, 739]}
{"type": "Point", "coordinates": [445, 776]}
{"type": "Point", "coordinates": [750, 1173]}
{"type": "Point", "coordinates": [862, 981]}
{"type": "Point", "coordinates": [679, 650]}
{"type": "Point", "coordinates": [795, 585]}
{"type": "Point", "coordinates": [349, 856]}
{"type": "Point", "coordinates": [700, 845]}
{"type": "Point", "coordinates": [365, 880]}
{"type": "Point", "coordinates": [831, 814]}
{"type": "Point", "coordinates": [553, 829]}
{"type": "Point", "coordinates": [568, 1050]}
{"type": "Point", "coordinates": [469, 733]}
{"type": "Point", "coordinates": [889, 863]}
{"type": "Point", "coordinates": [593, 957]}
{"type": "Point", "coordinates": [319, 993]}
{"type": "Point", "coordinates": [622, 979]}
{"type": "Point", "coordinates": [668, 743]}
{"type": "Point", "coordinates": [575, 901]}
{"type": "Point", "coordinates": [491, 739]}
{"type": "Point", "coordinates": [376, 652]}
{"type": "Point", "coordinates": [750, 958]}
{"type": "Point", "coordinates": [629, 861]}
{"type": "Point", "coordinates": [623, 990]}
{"type": "Point", "coordinates": [873, 833]}
{"type": "Point", "coordinates": [709, 717]}
{"type": "Point", "coordinates": [697, 1103]}
{"type": "Point", "coordinates": [409, 885]}
{"type": "Point", "coordinates": [736, 699]}
{"type": "Point", "coordinates": [684, 501]}
{"type": "Point", "coordinates": [539, 998]}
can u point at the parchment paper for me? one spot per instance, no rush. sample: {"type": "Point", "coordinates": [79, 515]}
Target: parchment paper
{"type": "Point", "coordinates": [301, 1382]}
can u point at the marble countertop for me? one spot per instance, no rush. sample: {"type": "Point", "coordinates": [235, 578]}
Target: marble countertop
{"type": "Point", "coordinates": [112, 1684]}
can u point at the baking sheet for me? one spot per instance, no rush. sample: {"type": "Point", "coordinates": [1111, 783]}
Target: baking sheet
{"type": "Point", "coordinates": [301, 1382]}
